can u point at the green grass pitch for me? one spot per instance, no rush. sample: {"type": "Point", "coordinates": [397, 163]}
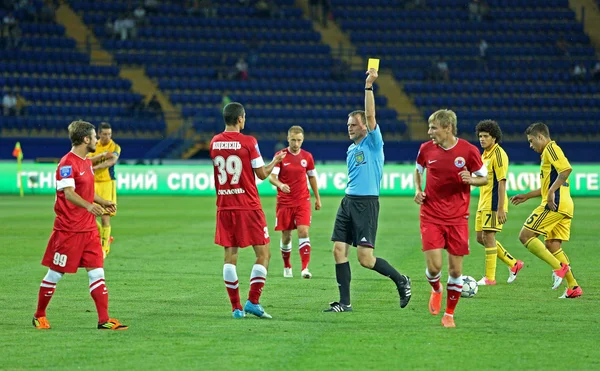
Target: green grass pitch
{"type": "Point", "coordinates": [164, 277]}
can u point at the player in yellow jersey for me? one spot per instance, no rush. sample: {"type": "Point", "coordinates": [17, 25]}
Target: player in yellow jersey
{"type": "Point", "coordinates": [104, 159]}
{"type": "Point", "coordinates": [552, 218]}
{"type": "Point", "coordinates": [493, 203]}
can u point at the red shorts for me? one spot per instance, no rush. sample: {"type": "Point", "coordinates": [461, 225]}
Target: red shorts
{"type": "Point", "coordinates": [454, 238]}
{"type": "Point", "coordinates": [241, 228]}
{"type": "Point", "coordinates": [290, 217]}
{"type": "Point", "coordinates": [67, 251]}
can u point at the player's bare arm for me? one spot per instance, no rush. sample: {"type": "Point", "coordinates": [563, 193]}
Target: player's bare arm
{"type": "Point", "coordinates": [102, 156]}
{"type": "Point", "coordinates": [263, 172]}
{"type": "Point", "coordinates": [315, 188]}
{"type": "Point", "coordinates": [108, 163]}
{"type": "Point", "coordinates": [109, 206]}
{"type": "Point", "coordinates": [522, 197]}
{"type": "Point", "coordinates": [476, 181]}
{"type": "Point", "coordinates": [274, 179]}
{"type": "Point", "coordinates": [501, 196]}
{"type": "Point", "coordinates": [76, 200]}
{"type": "Point", "coordinates": [370, 99]}
{"type": "Point", "coordinates": [560, 180]}
{"type": "Point", "coordinates": [419, 194]}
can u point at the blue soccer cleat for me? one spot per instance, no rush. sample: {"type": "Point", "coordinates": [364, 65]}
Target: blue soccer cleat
{"type": "Point", "coordinates": [256, 309]}
{"type": "Point", "coordinates": [238, 313]}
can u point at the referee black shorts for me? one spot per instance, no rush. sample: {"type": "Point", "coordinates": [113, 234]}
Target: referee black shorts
{"type": "Point", "coordinates": [356, 221]}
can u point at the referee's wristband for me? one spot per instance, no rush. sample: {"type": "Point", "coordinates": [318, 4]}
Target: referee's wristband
{"type": "Point", "coordinates": [371, 88]}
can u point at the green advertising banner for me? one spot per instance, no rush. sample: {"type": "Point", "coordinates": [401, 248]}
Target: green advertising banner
{"type": "Point", "coordinates": [398, 180]}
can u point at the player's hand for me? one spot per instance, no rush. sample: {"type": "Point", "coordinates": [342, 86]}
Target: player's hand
{"type": "Point", "coordinates": [466, 177]}
{"type": "Point", "coordinates": [372, 77]}
{"type": "Point", "coordinates": [550, 200]}
{"type": "Point", "coordinates": [96, 209]}
{"type": "Point", "coordinates": [110, 206]}
{"type": "Point", "coordinates": [420, 197]}
{"type": "Point", "coordinates": [284, 188]}
{"type": "Point", "coordinates": [501, 216]}
{"type": "Point", "coordinates": [107, 155]}
{"type": "Point", "coordinates": [279, 157]}
{"type": "Point", "coordinates": [318, 204]}
{"type": "Point", "coordinates": [518, 199]}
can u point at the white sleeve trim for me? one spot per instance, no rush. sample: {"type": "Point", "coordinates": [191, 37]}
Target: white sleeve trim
{"type": "Point", "coordinates": [257, 162]}
{"type": "Point", "coordinates": [420, 168]}
{"type": "Point", "coordinates": [482, 172]}
{"type": "Point", "coordinates": [276, 170]}
{"type": "Point", "coordinates": [64, 183]}
{"type": "Point", "coordinates": [312, 172]}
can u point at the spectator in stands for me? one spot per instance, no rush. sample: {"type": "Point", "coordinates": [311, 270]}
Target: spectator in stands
{"type": "Point", "coordinates": [27, 9]}
{"type": "Point", "coordinates": [474, 10]}
{"type": "Point", "coordinates": [225, 100]}
{"type": "Point", "coordinates": [9, 104]}
{"type": "Point", "coordinates": [13, 35]}
{"type": "Point", "coordinates": [21, 107]}
{"type": "Point", "coordinates": [139, 15]}
{"type": "Point", "coordinates": [241, 69]}
{"type": "Point", "coordinates": [579, 72]}
{"type": "Point", "coordinates": [563, 46]}
{"type": "Point", "coordinates": [442, 70]}
{"type": "Point", "coordinates": [263, 9]}
{"type": "Point", "coordinates": [483, 57]}
{"type": "Point", "coordinates": [154, 106]}
{"type": "Point", "coordinates": [125, 27]}
{"type": "Point", "coordinates": [596, 71]}
{"type": "Point", "coordinates": [109, 28]}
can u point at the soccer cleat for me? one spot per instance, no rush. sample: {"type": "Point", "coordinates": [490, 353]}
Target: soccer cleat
{"type": "Point", "coordinates": [238, 313]}
{"type": "Point", "coordinates": [512, 272]}
{"type": "Point", "coordinates": [110, 240]}
{"type": "Point", "coordinates": [448, 321]}
{"type": "Point", "coordinates": [112, 324]}
{"type": "Point", "coordinates": [41, 323]}
{"type": "Point", "coordinates": [256, 309]}
{"type": "Point", "coordinates": [306, 274]}
{"type": "Point", "coordinates": [559, 274]}
{"type": "Point", "coordinates": [338, 307]}
{"type": "Point", "coordinates": [486, 282]}
{"type": "Point", "coordinates": [404, 291]}
{"type": "Point", "coordinates": [287, 273]}
{"type": "Point", "coordinates": [435, 301]}
{"type": "Point", "coordinates": [573, 293]}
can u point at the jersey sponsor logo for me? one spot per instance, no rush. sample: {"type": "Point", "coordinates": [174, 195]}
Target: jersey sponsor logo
{"type": "Point", "coordinates": [227, 145]}
{"type": "Point", "coordinates": [431, 161]}
{"type": "Point", "coordinates": [66, 171]}
{"type": "Point", "coordinates": [286, 163]}
{"type": "Point", "coordinates": [81, 173]}
{"type": "Point", "coordinates": [359, 157]}
{"type": "Point", "coordinates": [459, 162]}
{"type": "Point", "coordinates": [303, 163]}
{"type": "Point", "coordinates": [235, 191]}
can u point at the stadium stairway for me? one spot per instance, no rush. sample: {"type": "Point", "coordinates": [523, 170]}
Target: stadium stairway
{"type": "Point", "coordinates": [591, 23]}
{"type": "Point", "coordinates": [388, 85]}
{"type": "Point", "coordinates": [140, 82]}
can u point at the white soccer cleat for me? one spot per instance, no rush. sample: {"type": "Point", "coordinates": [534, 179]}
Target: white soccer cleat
{"type": "Point", "coordinates": [287, 273]}
{"type": "Point", "coordinates": [306, 274]}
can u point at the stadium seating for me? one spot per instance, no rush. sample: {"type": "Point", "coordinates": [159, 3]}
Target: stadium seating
{"type": "Point", "coordinates": [527, 77]}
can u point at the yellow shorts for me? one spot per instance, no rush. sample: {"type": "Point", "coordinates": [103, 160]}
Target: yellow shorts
{"type": "Point", "coordinates": [487, 220]}
{"type": "Point", "coordinates": [108, 191]}
{"type": "Point", "coordinates": [551, 224]}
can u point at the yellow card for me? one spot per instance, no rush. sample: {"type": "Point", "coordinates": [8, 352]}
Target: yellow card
{"type": "Point", "coordinates": [373, 63]}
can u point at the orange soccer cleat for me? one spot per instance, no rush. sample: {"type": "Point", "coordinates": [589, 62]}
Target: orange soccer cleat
{"type": "Point", "coordinates": [435, 301]}
{"type": "Point", "coordinates": [112, 324]}
{"type": "Point", "coordinates": [41, 323]}
{"type": "Point", "coordinates": [573, 293]}
{"type": "Point", "coordinates": [448, 321]}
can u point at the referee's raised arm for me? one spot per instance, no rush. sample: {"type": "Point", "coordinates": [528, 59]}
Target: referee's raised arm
{"type": "Point", "coordinates": [370, 99]}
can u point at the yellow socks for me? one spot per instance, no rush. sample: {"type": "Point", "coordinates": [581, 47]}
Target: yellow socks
{"type": "Point", "coordinates": [105, 235]}
{"type": "Point", "coordinates": [563, 258]}
{"type": "Point", "coordinates": [505, 256]}
{"type": "Point", "coordinates": [490, 263]}
{"type": "Point", "coordinates": [537, 248]}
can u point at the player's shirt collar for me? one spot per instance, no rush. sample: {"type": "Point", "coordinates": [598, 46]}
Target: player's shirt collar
{"type": "Point", "coordinates": [488, 151]}
{"type": "Point", "coordinates": [449, 148]}
{"type": "Point", "coordinates": [83, 158]}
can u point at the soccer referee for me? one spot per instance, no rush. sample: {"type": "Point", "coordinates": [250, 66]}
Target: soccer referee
{"type": "Point", "coordinates": [356, 219]}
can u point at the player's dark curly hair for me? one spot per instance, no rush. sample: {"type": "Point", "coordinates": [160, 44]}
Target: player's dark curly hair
{"type": "Point", "coordinates": [491, 127]}
{"type": "Point", "coordinates": [231, 112]}
{"type": "Point", "coordinates": [538, 128]}
{"type": "Point", "coordinates": [78, 130]}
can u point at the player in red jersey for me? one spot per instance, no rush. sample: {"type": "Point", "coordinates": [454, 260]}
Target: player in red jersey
{"type": "Point", "coordinates": [75, 242]}
{"type": "Point", "coordinates": [240, 219]}
{"type": "Point", "coordinates": [445, 205]}
{"type": "Point", "coordinates": [293, 199]}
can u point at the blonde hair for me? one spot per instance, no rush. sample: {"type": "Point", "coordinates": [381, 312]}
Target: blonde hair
{"type": "Point", "coordinates": [444, 118]}
{"type": "Point", "coordinates": [296, 130]}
